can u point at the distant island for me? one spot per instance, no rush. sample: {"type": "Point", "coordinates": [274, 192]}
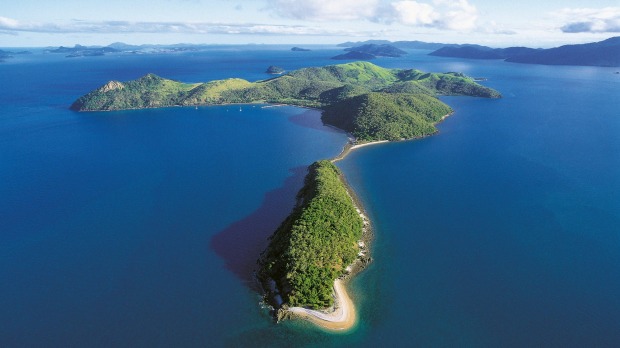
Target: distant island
{"type": "Point", "coordinates": [299, 49]}
{"type": "Point", "coordinates": [399, 44]}
{"type": "Point", "coordinates": [325, 236]}
{"type": "Point", "coordinates": [384, 50]}
{"type": "Point", "coordinates": [481, 52]}
{"type": "Point", "coordinates": [8, 54]}
{"type": "Point", "coordinates": [5, 55]}
{"type": "Point", "coordinates": [121, 48]}
{"type": "Point", "coordinates": [274, 70]}
{"type": "Point", "coordinates": [83, 51]}
{"type": "Point", "coordinates": [604, 53]}
{"type": "Point", "coordinates": [354, 55]}
{"type": "Point", "coordinates": [370, 51]}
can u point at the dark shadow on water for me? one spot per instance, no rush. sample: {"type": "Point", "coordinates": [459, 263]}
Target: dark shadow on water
{"type": "Point", "coordinates": [241, 243]}
{"type": "Point", "coordinates": [309, 120]}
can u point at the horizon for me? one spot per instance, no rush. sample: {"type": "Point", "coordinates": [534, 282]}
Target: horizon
{"type": "Point", "coordinates": [293, 22]}
{"type": "Point", "coordinates": [274, 44]}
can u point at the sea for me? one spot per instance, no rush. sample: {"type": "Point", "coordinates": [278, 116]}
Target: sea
{"type": "Point", "coordinates": [142, 228]}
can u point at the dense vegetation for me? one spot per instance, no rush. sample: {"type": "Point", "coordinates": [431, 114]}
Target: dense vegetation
{"type": "Point", "coordinates": [389, 116]}
{"type": "Point", "coordinates": [314, 245]}
{"type": "Point", "coordinates": [408, 94]}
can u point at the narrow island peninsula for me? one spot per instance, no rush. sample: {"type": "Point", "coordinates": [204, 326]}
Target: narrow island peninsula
{"type": "Point", "coordinates": [325, 238]}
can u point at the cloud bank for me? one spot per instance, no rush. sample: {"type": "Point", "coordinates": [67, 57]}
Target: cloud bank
{"type": "Point", "coordinates": [590, 20]}
{"type": "Point", "coordinates": [12, 26]}
{"type": "Point", "coordinates": [454, 15]}
{"type": "Point", "coordinates": [457, 15]}
{"type": "Point", "coordinates": [324, 10]}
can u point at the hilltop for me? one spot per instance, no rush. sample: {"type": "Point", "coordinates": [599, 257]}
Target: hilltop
{"type": "Point", "coordinates": [328, 88]}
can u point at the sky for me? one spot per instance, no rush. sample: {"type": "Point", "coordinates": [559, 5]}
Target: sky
{"type": "Point", "coordinates": [497, 23]}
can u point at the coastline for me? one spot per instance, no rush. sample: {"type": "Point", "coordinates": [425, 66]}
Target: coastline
{"type": "Point", "coordinates": [341, 319]}
{"type": "Point", "coordinates": [351, 144]}
{"type": "Point", "coordinates": [349, 147]}
{"type": "Point", "coordinates": [342, 316]}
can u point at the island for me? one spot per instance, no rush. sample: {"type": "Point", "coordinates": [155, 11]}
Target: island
{"type": "Point", "coordinates": [314, 246]}
{"type": "Point", "coordinates": [326, 236]}
{"type": "Point", "coordinates": [4, 55]}
{"type": "Point", "coordinates": [84, 51]}
{"type": "Point", "coordinates": [274, 70]}
{"type": "Point", "coordinates": [370, 51]}
{"type": "Point", "coordinates": [604, 53]}
{"type": "Point", "coordinates": [383, 50]}
{"type": "Point", "coordinates": [299, 49]}
{"type": "Point", "coordinates": [354, 55]}
{"type": "Point", "coordinates": [370, 102]}
{"type": "Point", "coordinates": [481, 52]}
{"type": "Point", "coordinates": [8, 54]}
{"type": "Point", "coordinates": [417, 45]}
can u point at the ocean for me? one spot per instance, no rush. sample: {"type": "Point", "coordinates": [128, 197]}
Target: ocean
{"type": "Point", "coordinates": [142, 228]}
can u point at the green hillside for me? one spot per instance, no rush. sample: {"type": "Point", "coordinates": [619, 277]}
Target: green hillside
{"type": "Point", "coordinates": [387, 116]}
{"type": "Point", "coordinates": [408, 95]}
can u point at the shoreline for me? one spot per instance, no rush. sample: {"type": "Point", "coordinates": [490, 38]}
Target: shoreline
{"type": "Point", "coordinates": [341, 319]}
{"type": "Point", "coordinates": [342, 316]}
{"type": "Point", "coordinates": [350, 147]}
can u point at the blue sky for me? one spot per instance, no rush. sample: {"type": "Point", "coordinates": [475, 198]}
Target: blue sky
{"type": "Point", "coordinates": [534, 23]}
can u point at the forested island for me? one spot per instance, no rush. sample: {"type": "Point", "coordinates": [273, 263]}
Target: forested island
{"type": "Point", "coordinates": [354, 96]}
{"type": "Point", "coordinates": [319, 241]}
{"type": "Point", "coordinates": [315, 244]}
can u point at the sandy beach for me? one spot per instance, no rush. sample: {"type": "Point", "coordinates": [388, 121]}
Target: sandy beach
{"type": "Point", "coordinates": [342, 318]}
{"type": "Point", "coordinates": [350, 147]}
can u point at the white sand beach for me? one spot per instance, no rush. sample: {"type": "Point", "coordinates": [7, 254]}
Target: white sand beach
{"type": "Point", "coordinates": [342, 318]}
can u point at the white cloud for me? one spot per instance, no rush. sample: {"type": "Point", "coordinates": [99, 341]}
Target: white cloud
{"type": "Point", "coordinates": [325, 10]}
{"type": "Point", "coordinates": [8, 23]}
{"type": "Point", "coordinates": [493, 28]}
{"type": "Point", "coordinates": [457, 15]}
{"type": "Point", "coordinates": [414, 13]}
{"type": "Point", "coordinates": [590, 20]}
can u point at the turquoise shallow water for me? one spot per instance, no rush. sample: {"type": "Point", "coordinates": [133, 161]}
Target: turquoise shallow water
{"type": "Point", "coordinates": [142, 227]}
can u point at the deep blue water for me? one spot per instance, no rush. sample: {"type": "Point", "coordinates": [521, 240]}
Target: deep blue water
{"type": "Point", "coordinates": [142, 227]}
